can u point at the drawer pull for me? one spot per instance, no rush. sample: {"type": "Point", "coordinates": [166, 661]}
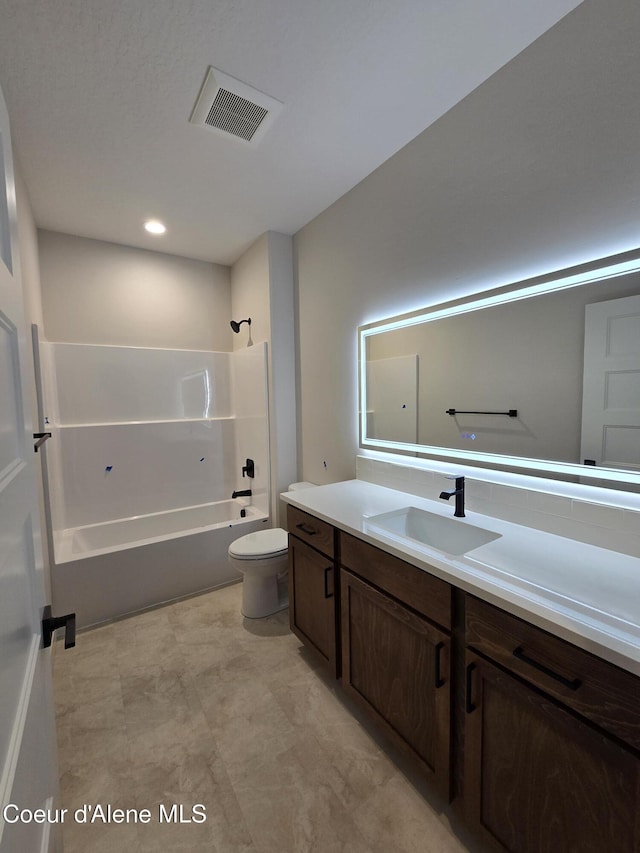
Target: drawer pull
{"type": "Point", "coordinates": [470, 707]}
{"type": "Point", "coordinates": [327, 594]}
{"type": "Point", "coordinates": [439, 681]}
{"type": "Point", "coordinates": [306, 528]}
{"type": "Point", "coordinates": [566, 682]}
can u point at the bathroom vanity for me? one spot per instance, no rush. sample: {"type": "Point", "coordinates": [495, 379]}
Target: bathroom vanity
{"type": "Point", "coordinates": [521, 705]}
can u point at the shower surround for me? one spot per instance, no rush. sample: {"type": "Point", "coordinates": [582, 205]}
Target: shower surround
{"type": "Point", "coordinates": [147, 448]}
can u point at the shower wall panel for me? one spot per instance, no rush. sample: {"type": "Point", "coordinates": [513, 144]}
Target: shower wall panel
{"type": "Point", "coordinates": [124, 470]}
{"type": "Point", "coordinates": [108, 384]}
{"type": "Point", "coordinates": [139, 431]}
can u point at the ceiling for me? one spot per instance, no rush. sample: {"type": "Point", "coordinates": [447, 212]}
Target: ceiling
{"type": "Point", "coordinates": [100, 93]}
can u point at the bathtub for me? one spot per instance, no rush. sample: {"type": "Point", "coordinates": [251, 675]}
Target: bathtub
{"type": "Point", "coordinates": [109, 536]}
{"type": "Point", "coordinates": [107, 570]}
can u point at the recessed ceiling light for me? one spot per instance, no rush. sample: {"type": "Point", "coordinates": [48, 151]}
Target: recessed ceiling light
{"type": "Point", "coordinates": [155, 227]}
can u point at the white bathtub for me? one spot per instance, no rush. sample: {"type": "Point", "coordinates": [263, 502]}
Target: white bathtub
{"type": "Point", "coordinates": [108, 536]}
{"type": "Point", "coordinates": [103, 571]}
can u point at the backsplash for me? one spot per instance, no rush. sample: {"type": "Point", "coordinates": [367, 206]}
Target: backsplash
{"type": "Point", "coordinates": [601, 517]}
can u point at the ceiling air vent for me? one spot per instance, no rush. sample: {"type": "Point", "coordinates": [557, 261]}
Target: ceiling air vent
{"type": "Point", "coordinates": [233, 108]}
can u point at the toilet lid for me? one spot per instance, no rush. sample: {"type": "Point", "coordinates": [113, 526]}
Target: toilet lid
{"type": "Point", "coordinates": [261, 544]}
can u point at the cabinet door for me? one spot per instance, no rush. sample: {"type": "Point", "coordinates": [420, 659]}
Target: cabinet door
{"type": "Point", "coordinates": [312, 611]}
{"type": "Point", "coordinates": [537, 779]}
{"type": "Point", "coordinates": [396, 666]}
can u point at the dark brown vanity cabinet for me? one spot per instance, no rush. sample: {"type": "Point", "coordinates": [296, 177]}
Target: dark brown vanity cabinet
{"type": "Point", "coordinates": [544, 738]}
{"type": "Point", "coordinates": [313, 584]}
{"type": "Point", "coordinates": [551, 739]}
{"type": "Point", "coordinates": [395, 658]}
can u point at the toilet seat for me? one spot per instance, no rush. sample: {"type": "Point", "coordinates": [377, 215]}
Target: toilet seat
{"type": "Point", "coordinates": [261, 545]}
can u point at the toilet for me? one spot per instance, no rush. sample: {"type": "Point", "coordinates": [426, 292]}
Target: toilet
{"type": "Point", "coordinates": [262, 559]}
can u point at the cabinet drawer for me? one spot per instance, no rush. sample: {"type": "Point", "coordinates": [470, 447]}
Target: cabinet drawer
{"type": "Point", "coordinates": [598, 690]}
{"type": "Point", "coordinates": [312, 530]}
{"type": "Point", "coordinates": [410, 585]}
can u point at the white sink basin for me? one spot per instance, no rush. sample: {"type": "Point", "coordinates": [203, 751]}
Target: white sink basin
{"type": "Point", "coordinates": [451, 535]}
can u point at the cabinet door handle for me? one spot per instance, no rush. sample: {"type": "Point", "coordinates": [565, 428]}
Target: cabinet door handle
{"type": "Point", "coordinates": [572, 684]}
{"type": "Point", "coordinates": [470, 707]}
{"type": "Point", "coordinates": [327, 594]}
{"type": "Point", "coordinates": [439, 681]}
{"type": "Point", "coordinates": [306, 528]}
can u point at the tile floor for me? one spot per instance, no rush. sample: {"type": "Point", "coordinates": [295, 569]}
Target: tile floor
{"type": "Point", "coordinates": [190, 703]}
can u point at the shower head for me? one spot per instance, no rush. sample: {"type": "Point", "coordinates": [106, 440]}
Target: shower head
{"type": "Point", "coordinates": [236, 326]}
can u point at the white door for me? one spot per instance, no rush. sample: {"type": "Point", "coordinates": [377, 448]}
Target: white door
{"type": "Point", "coordinates": [28, 767]}
{"type": "Point", "coordinates": [611, 387]}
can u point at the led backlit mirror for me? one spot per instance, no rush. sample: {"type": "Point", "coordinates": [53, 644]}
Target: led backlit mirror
{"type": "Point", "coordinates": [542, 376]}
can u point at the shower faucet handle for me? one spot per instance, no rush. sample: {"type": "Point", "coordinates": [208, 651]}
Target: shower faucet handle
{"type": "Point", "coordinates": [249, 469]}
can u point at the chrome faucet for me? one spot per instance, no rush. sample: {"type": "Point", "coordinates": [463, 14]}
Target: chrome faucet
{"type": "Point", "coordinates": [459, 495]}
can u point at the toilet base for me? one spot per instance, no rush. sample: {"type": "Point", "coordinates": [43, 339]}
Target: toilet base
{"type": "Point", "coordinates": [262, 596]}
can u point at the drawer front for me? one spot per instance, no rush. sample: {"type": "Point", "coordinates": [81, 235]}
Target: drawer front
{"type": "Point", "coordinates": [410, 585]}
{"type": "Point", "coordinates": [311, 530]}
{"type": "Point", "coordinates": [600, 691]}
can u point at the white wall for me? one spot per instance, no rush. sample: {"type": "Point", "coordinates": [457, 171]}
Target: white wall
{"type": "Point", "coordinates": [262, 288]}
{"type": "Point", "coordinates": [103, 293]}
{"type": "Point", "coordinates": [536, 170]}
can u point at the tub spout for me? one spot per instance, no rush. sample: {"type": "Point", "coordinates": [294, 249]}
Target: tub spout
{"type": "Point", "coordinates": [244, 493]}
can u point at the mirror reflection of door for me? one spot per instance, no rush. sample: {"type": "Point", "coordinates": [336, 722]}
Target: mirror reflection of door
{"type": "Point", "coordinates": [611, 384]}
{"type": "Point", "coordinates": [392, 399]}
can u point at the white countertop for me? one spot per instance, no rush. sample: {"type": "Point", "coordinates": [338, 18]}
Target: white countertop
{"type": "Point", "coordinates": [587, 595]}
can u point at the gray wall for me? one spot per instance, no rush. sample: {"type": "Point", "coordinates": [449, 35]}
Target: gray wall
{"type": "Point", "coordinates": [103, 293]}
{"type": "Point", "coordinates": [250, 293]}
{"type": "Point", "coordinates": [534, 171]}
{"type": "Point", "coordinates": [282, 377]}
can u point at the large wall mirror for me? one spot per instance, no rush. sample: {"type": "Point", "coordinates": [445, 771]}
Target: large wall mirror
{"type": "Point", "coordinates": [541, 376]}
